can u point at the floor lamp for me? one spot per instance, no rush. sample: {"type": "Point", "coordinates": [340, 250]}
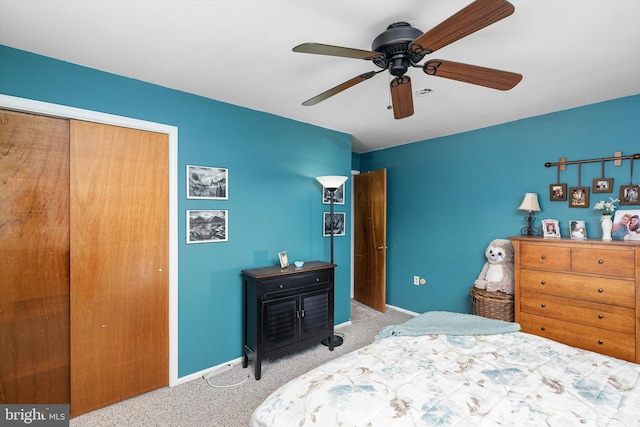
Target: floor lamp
{"type": "Point", "coordinates": [331, 183]}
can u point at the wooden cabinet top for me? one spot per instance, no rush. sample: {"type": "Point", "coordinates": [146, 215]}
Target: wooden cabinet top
{"type": "Point", "coordinates": [276, 270]}
{"type": "Point", "coordinates": [566, 241]}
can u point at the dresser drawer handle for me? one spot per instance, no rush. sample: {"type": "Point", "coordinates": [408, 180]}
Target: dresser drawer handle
{"type": "Point", "coordinates": [542, 282]}
{"type": "Point", "coordinates": [543, 257]}
{"type": "Point", "coordinates": [601, 261]}
{"type": "Point", "coordinates": [600, 290]}
{"type": "Point", "coordinates": [600, 342]}
{"type": "Point", "coordinates": [543, 328]}
{"type": "Point", "coordinates": [317, 279]}
{"type": "Point", "coordinates": [600, 316]}
{"type": "Point", "coordinates": [280, 286]}
{"type": "Point", "coordinates": [543, 305]}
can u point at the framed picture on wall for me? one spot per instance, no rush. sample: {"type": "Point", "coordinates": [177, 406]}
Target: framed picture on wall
{"type": "Point", "coordinates": [602, 185]}
{"type": "Point", "coordinates": [339, 220]}
{"type": "Point", "coordinates": [558, 192]}
{"type": "Point", "coordinates": [577, 229]}
{"type": "Point", "coordinates": [207, 226]}
{"type": "Point", "coordinates": [550, 228]}
{"type": "Point", "coordinates": [338, 196]}
{"type": "Point", "coordinates": [630, 194]}
{"type": "Point", "coordinates": [206, 182]}
{"type": "Point", "coordinates": [579, 197]}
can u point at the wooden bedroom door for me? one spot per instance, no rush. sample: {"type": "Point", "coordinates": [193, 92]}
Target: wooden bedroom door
{"type": "Point", "coordinates": [370, 239]}
{"type": "Point", "coordinates": [34, 259]}
{"type": "Point", "coordinates": [119, 264]}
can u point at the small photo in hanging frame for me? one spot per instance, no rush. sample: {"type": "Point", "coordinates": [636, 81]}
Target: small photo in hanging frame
{"type": "Point", "coordinates": [558, 192]}
{"type": "Point", "coordinates": [577, 229]}
{"type": "Point", "coordinates": [550, 228]}
{"type": "Point", "coordinates": [338, 223]}
{"type": "Point", "coordinates": [579, 197]}
{"type": "Point", "coordinates": [630, 194]}
{"type": "Point", "coordinates": [602, 185]}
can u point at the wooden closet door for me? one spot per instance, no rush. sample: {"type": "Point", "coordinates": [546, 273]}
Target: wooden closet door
{"type": "Point", "coordinates": [119, 257]}
{"type": "Point", "coordinates": [34, 259]}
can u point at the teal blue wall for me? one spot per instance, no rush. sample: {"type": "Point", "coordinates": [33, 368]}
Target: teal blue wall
{"type": "Point", "coordinates": [449, 197]}
{"type": "Point", "coordinates": [274, 201]}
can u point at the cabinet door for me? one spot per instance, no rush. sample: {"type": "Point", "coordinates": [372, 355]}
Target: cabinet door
{"type": "Point", "coordinates": [280, 321]}
{"type": "Point", "coordinates": [315, 309]}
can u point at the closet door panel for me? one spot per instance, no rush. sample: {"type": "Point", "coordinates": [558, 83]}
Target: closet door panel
{"type": "Point", "coordinates": [34, 259]}
{"type": "Point", "coordinates": [119, 257]}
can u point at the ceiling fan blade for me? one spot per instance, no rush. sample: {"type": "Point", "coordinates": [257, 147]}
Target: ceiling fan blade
{"type": "Point", "coordinates": [488, 77]}
{"type": "Point", "coordinates": [401, 97]}
{"type": "Point", "coordinates": [476, 16]}
{"type": "Point", "coordinates": [343, 86]}
{"type": "Point", "coordinates": [325, 49]}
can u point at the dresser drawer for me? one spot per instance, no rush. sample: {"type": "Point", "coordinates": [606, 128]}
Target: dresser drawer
{"type": "Point", "coordinates": [614, 344]}
{"type": "Point", "coordinates": [603, 316]}
{"type": "Point", "coordinates": [605, 262]}
{"type": "Point", "coordinates": [546, 257]}
{"type": "Point", "coordinates": [289, 282]}
{"type": "Point", "coordinates": [595, 289]}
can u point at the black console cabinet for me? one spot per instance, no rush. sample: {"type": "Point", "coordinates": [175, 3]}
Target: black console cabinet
{"type": "Point", "coordinates": [286, 310]}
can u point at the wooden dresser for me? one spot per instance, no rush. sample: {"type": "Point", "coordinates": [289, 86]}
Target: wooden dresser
{"type": "Point", "coordinates": [584, 293]}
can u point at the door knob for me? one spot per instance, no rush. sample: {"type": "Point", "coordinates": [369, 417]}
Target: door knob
{"type": "Point", "coordinates": [381, 248]}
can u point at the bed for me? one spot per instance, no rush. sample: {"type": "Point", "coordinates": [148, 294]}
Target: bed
{"type": "Point", "coordinates": [417, 377]}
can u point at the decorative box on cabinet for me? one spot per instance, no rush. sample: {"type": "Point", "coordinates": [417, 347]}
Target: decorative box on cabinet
{"type": "Point", "coordinates": [584, 293]}
{"type": "Point", "coordinates": [286, 310]}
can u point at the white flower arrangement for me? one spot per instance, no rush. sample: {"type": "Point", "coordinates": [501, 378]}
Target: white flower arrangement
{"type": "Point", "coordinates": [607, 208]}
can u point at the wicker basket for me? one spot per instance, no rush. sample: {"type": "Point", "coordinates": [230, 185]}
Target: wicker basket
{"type": "Point", "coordinates": [494, 305]}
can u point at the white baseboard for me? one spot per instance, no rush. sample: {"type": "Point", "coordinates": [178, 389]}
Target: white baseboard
{"type": "Point", "coordinates": [205, 372]}
{"type": "Point", "coordinates": [412, 313]}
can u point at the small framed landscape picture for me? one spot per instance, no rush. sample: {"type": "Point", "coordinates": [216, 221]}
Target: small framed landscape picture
{"type": "Point", "coordinates": [558, 192]}
{"type": "Point", "coordinates": [207, 226]}
{"type": "Point", "coordinates": [579, 197]}
{"type": "Point", "coordinates": [338, 224]}
{"type": "Point", "coordinates": [338, 196]}
{"type": "Point", "coordinates": [577, 229]}
{"type": "Point", "coordinates": [602, 185]}
{"type": "Point", "coordinates": [550, 228]}
{"type": "Point", "coordinates": [205, 182]}
{"type": "Point", "coordinates": [630, 194]}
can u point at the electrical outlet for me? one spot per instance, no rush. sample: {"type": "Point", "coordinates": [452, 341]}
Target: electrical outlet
{"type": "Point", "coordinates": [416, 280]}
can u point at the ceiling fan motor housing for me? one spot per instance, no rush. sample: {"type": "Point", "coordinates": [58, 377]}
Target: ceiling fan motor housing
{"type": "Point", "coordinates": [394, 44]}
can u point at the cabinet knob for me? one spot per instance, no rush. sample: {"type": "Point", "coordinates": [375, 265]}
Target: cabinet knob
{"type": "Point", "coordinates": [543, 305]}
{"type": "Point", "coordinates": [281, 286]}
{"type": "Point", "coordinates": [317, 279]}
{"type": "Point", "coordinates": [543, 257]}
{"type": "Point", "coordinates": [600, 261]}
{"type": "Point", "coordinates": [542, 282]}
{"type": "Point", "coordinates": [543, 328]}
{"type": "Point", "coordinates": [600, 316]}
{"type": "Point", "coordinates": [600, 290]}
{"type": "Point", "coordinates": [600, 342]}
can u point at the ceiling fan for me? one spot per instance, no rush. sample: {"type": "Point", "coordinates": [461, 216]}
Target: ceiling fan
{"type": "Point", "coordinates": [402, 46]}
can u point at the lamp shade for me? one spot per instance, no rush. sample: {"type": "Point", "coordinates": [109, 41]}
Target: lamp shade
{"type": "Point", "coordinates": [530, 203]}
{"type": "Point", "coordinates": [332, 181]}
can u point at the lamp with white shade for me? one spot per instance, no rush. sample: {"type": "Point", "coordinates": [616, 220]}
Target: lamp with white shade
{"type": "Point", "coordinates": [530, 204]}
{"type": "Point", "coordinates": [331, 183]}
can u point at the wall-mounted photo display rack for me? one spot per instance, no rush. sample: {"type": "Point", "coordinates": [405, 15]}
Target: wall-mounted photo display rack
{"type": "Point", "coordinates": [579, 196]}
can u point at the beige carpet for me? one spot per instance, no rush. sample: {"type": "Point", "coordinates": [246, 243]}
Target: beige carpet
{"type": "Point", "coordinates": [196, 403]}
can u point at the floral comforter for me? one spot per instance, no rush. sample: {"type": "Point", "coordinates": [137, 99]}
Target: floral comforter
{"type": "Point", "coordinates": [513, 379]}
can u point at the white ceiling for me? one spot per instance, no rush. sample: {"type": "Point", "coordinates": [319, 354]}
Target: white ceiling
{"type": "Point", "coordinates": [570, 52]}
